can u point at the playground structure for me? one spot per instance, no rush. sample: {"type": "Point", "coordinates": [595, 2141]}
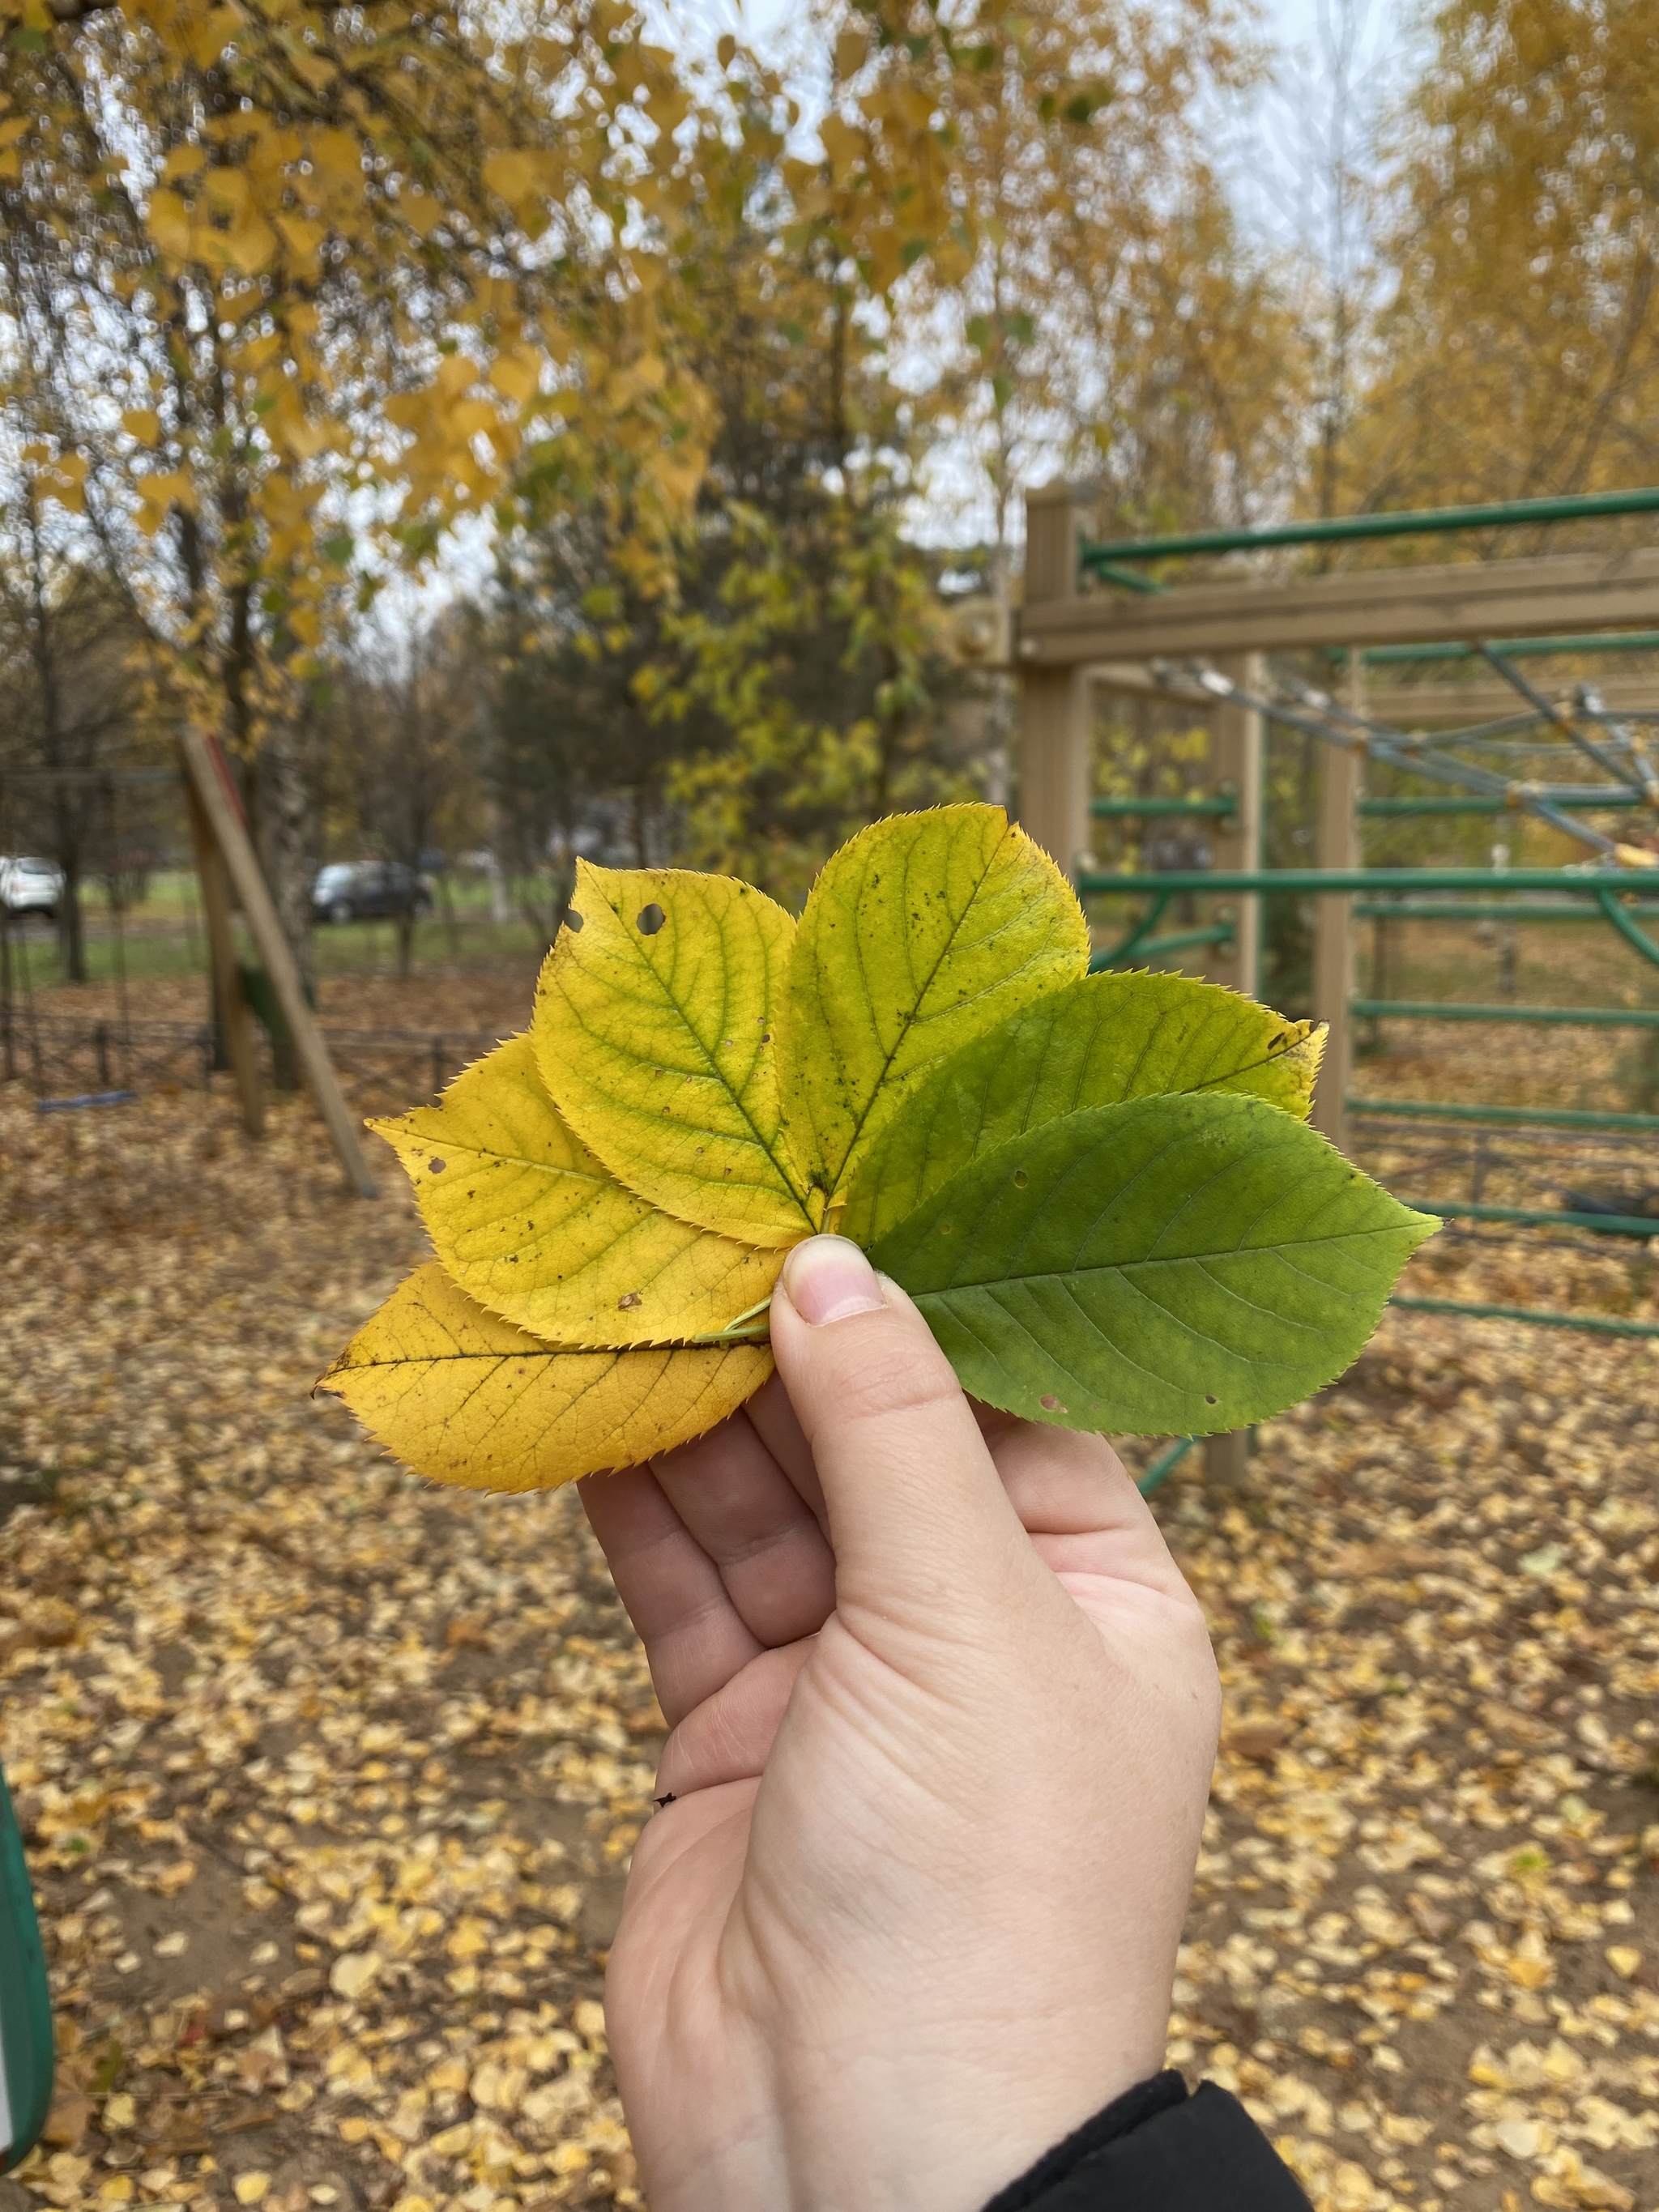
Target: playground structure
{"type": "Point", "coordinates": [1497, 746]}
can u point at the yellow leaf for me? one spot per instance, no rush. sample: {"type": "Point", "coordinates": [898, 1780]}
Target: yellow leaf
{"type": "Point", "coordinates": [168, 221]}
{"type": "Point", "coordinates": [250, 245]}
{"type": "Point", "coordinates": [655, 1023]}
{"type": "Point", "coordinates": [302, 236]}
{"type": "Point", "coordinates": [922, 932]}
{"type": "Point", "coordinates": [515, 177]}
{"type": "Point", "coordinates": [170, 490]}
{"type": "Point", "coordinates": [517, 375]}
{"type": "Point", "coordinates": [207, 33]}
{"type": "Point", "coordinates": [457, 372]}
{"type": "Point", "coordinates": [468, 1399]}
{"type": "Point", "coordinates": [528, 1221]}
{"type": "Point", "coordinates": [143, 424]}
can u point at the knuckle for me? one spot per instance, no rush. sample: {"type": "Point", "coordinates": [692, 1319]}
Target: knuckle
{"type": "Point", "coordinates": [879, 1369]}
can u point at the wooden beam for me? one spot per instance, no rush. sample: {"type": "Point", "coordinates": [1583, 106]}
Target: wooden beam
{"type": "Point", "coordinates": [225, 822]}
{"type": "Point", "coordinates": [1056, 718]}
{"type": "Point", "coordinates": [1567, 592]}
{"type": "Point", "coordinates": [229, 1000]}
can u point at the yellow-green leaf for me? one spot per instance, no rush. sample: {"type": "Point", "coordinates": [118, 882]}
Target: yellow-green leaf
{"type": "Point", "coordinates": [654, 1033]}
{"type": "Point", "coordinates": [466, 1398]}
{"type": "Point", "coordinates": [1097, 1043]}
{"type": "Point", "coordinates": [532, 1224]}
{"type": "Point", "coordinates": [922, 932]}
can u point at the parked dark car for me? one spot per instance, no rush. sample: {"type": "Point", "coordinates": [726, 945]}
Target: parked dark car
{"type": "Point", "coordinates": [369, 891]}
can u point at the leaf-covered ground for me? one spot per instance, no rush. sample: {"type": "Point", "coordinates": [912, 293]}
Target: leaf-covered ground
{"type": "Point", "coordinates": [330, 1778]}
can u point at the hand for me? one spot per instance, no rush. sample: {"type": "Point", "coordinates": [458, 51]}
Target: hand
{"type": "Point", "coordinates": [943, 1715]}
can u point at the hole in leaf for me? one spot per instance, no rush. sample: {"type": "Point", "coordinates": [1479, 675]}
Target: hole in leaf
{"type": "Point", "coordinates": [572, 919]}
{"type": "Point", "coordinates": [1051, 1405]}
{"type": "Point", "coordinates": [1021, 1179]}
{"type": "Point", "coordinates": [1209, 1399]}
{"type": "Point", "coordinates": [650, 919]}
{"type": "Point", "coordinates": [436, 1167]}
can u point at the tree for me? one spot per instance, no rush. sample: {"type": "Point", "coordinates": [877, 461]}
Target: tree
{"type": "Point", "coordinates": [278, 265]}
{"type": "Point", "coordinates": [1111, 319]}
{"type": "Point", "coordinates": [407, 716]}
{"type": "Point", "coordinates": [67, 655]}
{"type": "Point", "coordinates": [1521, 348]}
{"type": "Point", "coordinates": [779, 687]}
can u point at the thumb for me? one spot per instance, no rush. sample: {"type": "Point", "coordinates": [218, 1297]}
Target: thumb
{"type": "Point", "coordinates": [918, 1516]}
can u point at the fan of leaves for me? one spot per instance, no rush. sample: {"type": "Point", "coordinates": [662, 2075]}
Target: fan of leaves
{"type": "Point", "coordinates": [1099, 1190]}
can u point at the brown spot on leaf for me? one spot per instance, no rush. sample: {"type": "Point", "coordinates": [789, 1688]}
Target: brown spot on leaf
{"type": "Point", "coordinates": [628, 1301]}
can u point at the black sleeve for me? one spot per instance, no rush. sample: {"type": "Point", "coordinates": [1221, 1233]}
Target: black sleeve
{"type": "Point", "coordinates": [1157, 2149]}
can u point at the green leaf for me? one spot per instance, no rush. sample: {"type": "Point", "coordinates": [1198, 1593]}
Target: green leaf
{"type": "Point", "coordinates": [1168, 1266]}
{"type": "Point", "coordinates": [1095, 1043]}
{"type": "Point", "coordinates": [922, 932]}
{"type": "Point", "coordinates": [653, 1029]}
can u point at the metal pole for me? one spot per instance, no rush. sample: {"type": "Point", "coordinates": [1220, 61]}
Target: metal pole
{"type": "Point", "coordinates": [1336, 530]}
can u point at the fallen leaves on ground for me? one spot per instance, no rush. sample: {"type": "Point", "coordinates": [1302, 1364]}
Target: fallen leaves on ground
{"type": "Point", "coordinates": [330, 1778]}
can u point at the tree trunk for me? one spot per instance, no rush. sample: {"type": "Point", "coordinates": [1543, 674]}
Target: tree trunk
{"type": "Point", "coordinates": [72, 922]}
{"type": "Point", "coordinates": [284, 823]}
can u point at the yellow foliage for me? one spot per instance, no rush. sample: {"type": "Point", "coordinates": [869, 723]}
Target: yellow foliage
{"type": "Point", "coordinates": [654, 1025]}
{"type": "Point", "coordinates": [534, 1226]}
{"type": "Point", "coordinates": [468, 1399]}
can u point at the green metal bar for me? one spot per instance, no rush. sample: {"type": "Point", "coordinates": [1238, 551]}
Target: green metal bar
{"type": "Point", "coordinates": [1138, 932]}
{"type": "Point", "coordinates": [1154, 948]}
{"type": "Point", "coordinates": [1638, 940]}
{"type": "Point", "coordinates": [1505, 1117]}
{"type": "Point", "coordinates": [1626, 641]}
{"type": "Point", "coordinates": [1130, 580]}
{"type": "Point", "coordinates": [1341, 529]}
{"type": "Point", "coordinates": [1165, 1465]}
{"type": "Point", "coordinates": [26, 2044]}
{"type": "Point", "coordinates": [1527, 910]}
{"type": "Point", "coordinates": [1542, 1217]}
{"type": "Point", "coordinates": [1445, 1009]}
{"type": "Point", "coordinates": [1308, 883]}
{"type": "Point", "coordinates": [1112, 809]}
{"type": "Point", "coordinates": [1535, 1319]}
{"type": "Point", "coordinates": [1500, 802]}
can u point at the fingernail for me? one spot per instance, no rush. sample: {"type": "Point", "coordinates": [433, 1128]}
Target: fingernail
{"type": "Point", "coordinates": [827, 1278]}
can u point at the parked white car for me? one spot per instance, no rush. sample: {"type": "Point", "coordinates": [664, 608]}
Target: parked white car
{"type": "Point", "coordinates": [31, 886]}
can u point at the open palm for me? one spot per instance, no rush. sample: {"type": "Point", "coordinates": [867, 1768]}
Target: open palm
{"type": "Point", "coordinates": [943, 1713]}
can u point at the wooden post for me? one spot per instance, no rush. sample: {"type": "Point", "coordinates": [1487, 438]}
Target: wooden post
{"type": "Point", "coordinates": [229, 1002]}
{"type": "Point", "coordinates": [1235, 744]}
{"type": "Point", "coordinates": [1057, 706]}
{"type": "Point", "coordinates": [1227, 1459]}
{"type": "Point", "coordinates": [1337, 846]}
{"type": "Point", "coordinates": [225, 822]}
